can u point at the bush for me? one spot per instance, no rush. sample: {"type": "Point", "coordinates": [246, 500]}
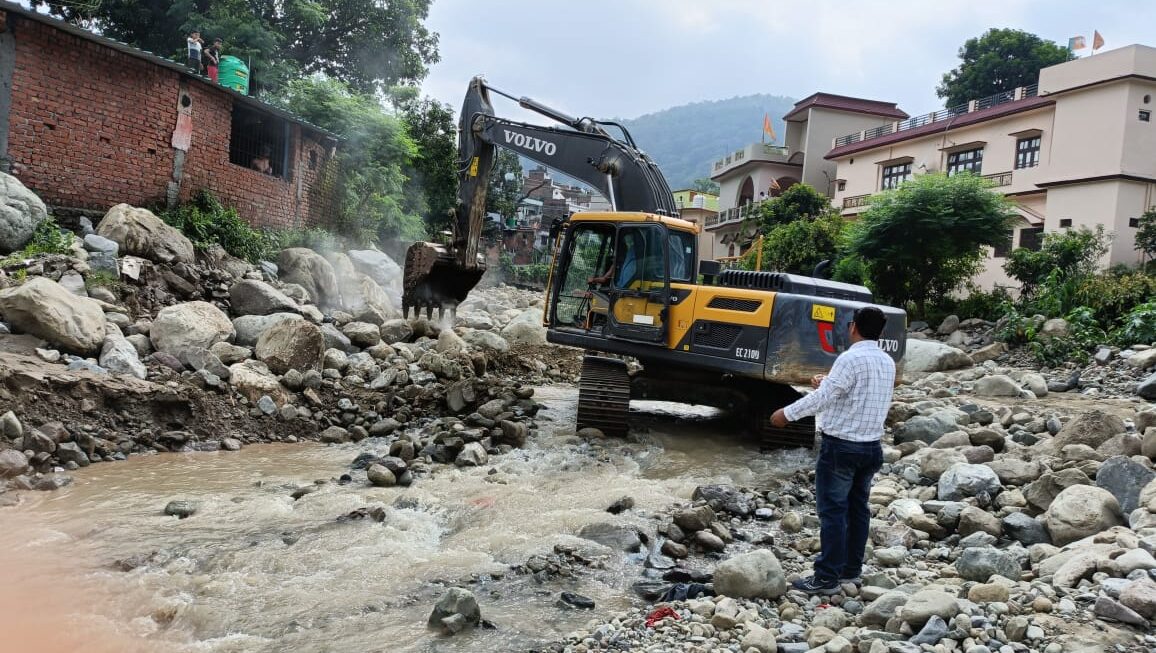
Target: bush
{"type": "Point", "coordinates": [924, 240]}
{"type": "Point", "coordinates": [797, 247]}
{"type": "Point", "coordinates": [1138, 327]}
{"type": "Point", "coordinates": [1084, 333]}
{"type": "Point", "coordinates": [978, 303]}
{"type": "Point", "coordinates": [49, 238]}
{"type": "Point", "coordinates": [207, 222]}
{"type": "Point", "coordinates": [1113, 296]}
{"type": "Point", "coordinates": [1070, 254]}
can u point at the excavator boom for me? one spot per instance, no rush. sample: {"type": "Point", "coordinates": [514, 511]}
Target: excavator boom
{"type": "Point", "coordinates": [440, 276]}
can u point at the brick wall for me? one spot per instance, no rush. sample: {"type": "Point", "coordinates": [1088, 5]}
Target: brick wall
{"type": "Point", "coordinates": [91, 127]}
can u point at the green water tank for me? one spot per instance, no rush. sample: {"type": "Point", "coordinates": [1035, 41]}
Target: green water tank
{"type": "Point", "coordinates": [233, 73]}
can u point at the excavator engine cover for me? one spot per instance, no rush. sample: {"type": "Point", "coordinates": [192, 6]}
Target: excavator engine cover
{"type": "Point", "coordinates": [435, 279]}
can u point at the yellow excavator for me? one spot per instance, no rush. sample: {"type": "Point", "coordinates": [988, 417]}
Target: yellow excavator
{"type": "Point", "coordinates": [628, 283]}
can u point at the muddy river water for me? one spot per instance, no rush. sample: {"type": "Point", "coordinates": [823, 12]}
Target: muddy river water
{"type": "Point", "coordinates": [256, 570]}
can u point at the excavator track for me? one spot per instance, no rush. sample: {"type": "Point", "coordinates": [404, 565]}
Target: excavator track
{"type": "Point", "coordinates": [604, 395]}
{"type": "Point", "coordinates": [764, 403]}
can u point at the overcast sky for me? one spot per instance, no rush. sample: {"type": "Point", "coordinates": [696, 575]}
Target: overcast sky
{"type": "Point", "coordinates": [625, 58]}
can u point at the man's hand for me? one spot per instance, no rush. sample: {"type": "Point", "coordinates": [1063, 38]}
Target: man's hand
{"type": "Point", "coordinates": [817, 379]}
{"type": "Point", "coordinates": [779, 419]}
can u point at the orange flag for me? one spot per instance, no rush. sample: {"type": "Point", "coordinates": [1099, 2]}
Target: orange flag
{"type": "Point", "coordinates": [768, 129]}
{"type": "Point", "coordinates": [1097, 41]}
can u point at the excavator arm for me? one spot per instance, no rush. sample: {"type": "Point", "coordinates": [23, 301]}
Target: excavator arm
{"type": "Point", "coordinates": [440, 276]}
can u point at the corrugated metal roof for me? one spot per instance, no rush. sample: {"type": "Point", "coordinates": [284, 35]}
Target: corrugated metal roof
{"type": "Point", "coordinates": [152, 58]}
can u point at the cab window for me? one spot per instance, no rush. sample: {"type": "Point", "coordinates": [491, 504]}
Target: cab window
{"type": "Point", "coordinates": [591, 256]}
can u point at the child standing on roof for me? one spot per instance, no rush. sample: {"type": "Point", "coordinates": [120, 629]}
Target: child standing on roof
{"type": "Point", "coordinates": [195, 45]}
{"type": "Point", "coordinates": [213, 58]}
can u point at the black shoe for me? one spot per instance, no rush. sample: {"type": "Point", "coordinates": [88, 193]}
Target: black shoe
{"type": "Point", "coordinates": [857, 581]}
{"type": "Point", "coordinates": [812, 585]}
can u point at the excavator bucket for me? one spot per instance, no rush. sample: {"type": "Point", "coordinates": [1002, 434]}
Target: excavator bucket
{"type": "Point", "coordinates": [435, 280]}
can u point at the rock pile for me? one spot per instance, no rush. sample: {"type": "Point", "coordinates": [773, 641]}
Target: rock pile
{"type": "Point", "coordinates": [313, 339]}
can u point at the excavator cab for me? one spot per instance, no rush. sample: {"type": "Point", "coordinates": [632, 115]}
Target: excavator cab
{"type": "Point", "coordinates": [613, 275]}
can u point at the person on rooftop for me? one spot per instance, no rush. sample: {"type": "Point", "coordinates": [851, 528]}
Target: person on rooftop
{"type": "Point", "coordinates": [213, 58]}
{"type": "Point", "coordinates": [194, 52]}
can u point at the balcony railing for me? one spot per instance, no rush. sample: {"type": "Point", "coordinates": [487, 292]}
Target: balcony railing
{"type": "Point", "coordinates": [740, 155]}
{"type": "Point", "coordinates": [727, 216]}
{"type": "Point", "coordinates": [855, 201]}
{"type": "Point", "coordinates": [1000, 179]}
{"type": "Point", "coordinates": [941, 115]}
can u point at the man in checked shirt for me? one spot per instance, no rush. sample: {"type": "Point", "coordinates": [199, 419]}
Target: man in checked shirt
{"type": "Point", "coordinates": [851, 405]}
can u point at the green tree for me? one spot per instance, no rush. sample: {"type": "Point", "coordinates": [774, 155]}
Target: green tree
{"type": "Point", "coordinates": [704, 185]}
{"type": "Point", "coordinates": [503, 194]}
{"type": "Point", "coordinates": [797, 202]}
{"type": "Point", "coordinates": [376, 200]}
{"type": "Point", "coordinates": [430, 125]}
{"type": "Point", "coordinates": [997, 61]}
{"type": "Point", "coordinates": [369, 44]}
{"type": "Point", "coordinates": [1063, 255]}
{"type": "Point", "coordinates": [1146, 234]}
{"type": "Point", "coordinates": [923, 240]}
{"type": "Point", "coordinates": [797, 247]}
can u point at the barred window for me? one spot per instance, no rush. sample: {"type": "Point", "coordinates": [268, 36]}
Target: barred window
{"type": "Point", "coordinates": [259, 141]}
{"type": "Point", "coordinates": [1028, 152]}
{"type": "Point", "coordinates": [965, 161]}
{"type": "Point", "coordinates": [1032, 238]}
{"type": "Point", "coordinates": [895, 175]}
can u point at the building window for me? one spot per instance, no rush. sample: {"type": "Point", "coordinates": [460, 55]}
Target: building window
{"type": "Point", "coordinates": [1145, 115]}
{"type": "Point", "coordinates": [895, 175]}
{"type": "Point", "coordinates": [1134, 223]}
{"type": "Point", "coordinates": [965, 161]}
{"type": "Point", "coordinates": [1065, 223]}
{"type": "Point", "coordinates": [1004, 248]}
{"type": "Point", "coordinates": [1028, 152]}
{"type": "Point", "coordinates": [1032, 238]}
{"type": "Point", "coordinates": [841, 185]}
{"type": "Point", "coordinates": [259, 141]}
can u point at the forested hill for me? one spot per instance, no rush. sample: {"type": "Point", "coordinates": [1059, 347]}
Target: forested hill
{"type": "Point", "coordinates": [686, 140]}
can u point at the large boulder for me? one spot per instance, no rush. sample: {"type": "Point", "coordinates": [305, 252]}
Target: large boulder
{"type": "Point", "coordinates": [1124, 478]}
{"type": "Point", "coordinates": [997, 385]}
{"type": "Point", "coordinates": [12, 463]}
{"type": "Point", "coordinates": [1081, 511]}
{"type": "Point", "coordinates": [1146, 389]}
{"type": "Point", "coordinates": [1041, 492]}
{"type": "Point", "coordinates": [925, 604]}
{"type": "Point", "coordinates": [526, 329]}
{"type": "Point", "coordinates": [21, 211]}
{"type": "Point", "coordinates": [934, 462]}
{"type": "Point", "coordinates": [927, 428]}
{"type": "Point", "coordinates": [963, 480]}
{"type": "Point", "coordinates": [381, 268]}
{"type": "Point", "coordinates": [980, 563]}
{"type": "Point", "coordinates": [932, 356]}
{"type": "Point", "coordinates": [457, 609]}
{"type": "Point", "coordinates": [45, 309]}
{"type": "Point", "coordinates": [1093, 428]}
{"type": "Point", "coordinates": [312, 272]}
{"type": "Point", "coordinates": [756, 574]}
{"type": "Point", "coordinates": [1014, 471]}
{"type": "Point", "coordinates": [250, 327]}
{"type": "Point", "coordinates": [1140, 596]}
{"type": "Point", "coordinates": [254, 380]}
{"type": "Point", "coordinates": [252, 297]}
{"type": "Point", "coordinates": [365, 300]}
{"type": "Point", "coordinates": [291, 345]}
{"type": "Point", "coordinates": [179, 328]}
{"type": "Point", "coordinates": [361, 297]}
{"type": "Point", "coordinates": [119, 356]}
{"type": "Point", "coordinates": [140, 233]}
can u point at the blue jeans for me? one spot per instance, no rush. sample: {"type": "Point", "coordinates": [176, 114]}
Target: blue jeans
{"type": "Point", "coordinates": [842, 487]}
